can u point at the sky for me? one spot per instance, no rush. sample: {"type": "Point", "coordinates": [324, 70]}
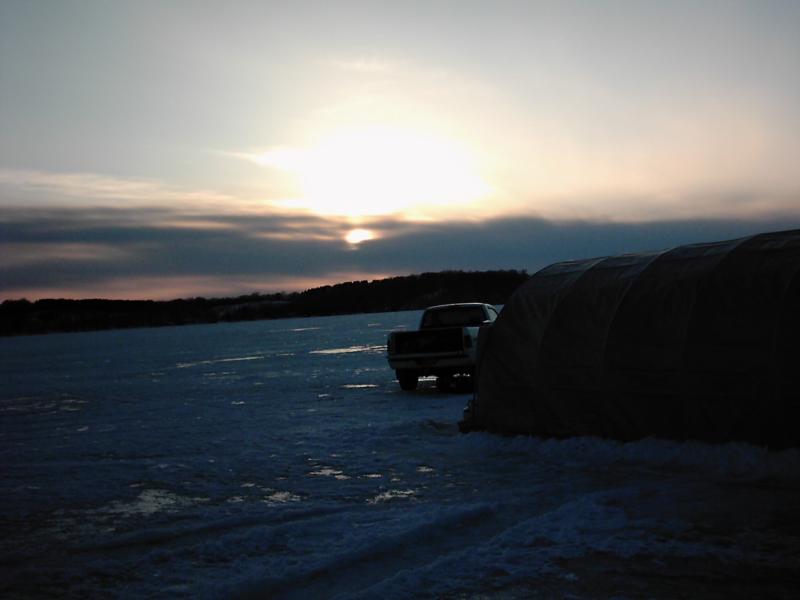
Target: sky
{"type": "Point", "coordinates": [189, 148]}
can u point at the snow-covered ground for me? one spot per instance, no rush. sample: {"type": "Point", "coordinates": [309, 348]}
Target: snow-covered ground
{"type": "Point", "coordinates": [281, 459]}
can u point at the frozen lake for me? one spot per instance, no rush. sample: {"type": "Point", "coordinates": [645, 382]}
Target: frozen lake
{"type": "Point", "coordinates": [280, 459]}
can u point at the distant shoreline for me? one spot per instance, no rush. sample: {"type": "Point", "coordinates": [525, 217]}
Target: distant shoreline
{"type": "Point", "coordinates": [22, 317]}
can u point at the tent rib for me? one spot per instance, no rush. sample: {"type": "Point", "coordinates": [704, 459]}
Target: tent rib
{"type": "Point", "coordinates": [619, 302]}
{"type": "Point", "coordinates": [561, 293]}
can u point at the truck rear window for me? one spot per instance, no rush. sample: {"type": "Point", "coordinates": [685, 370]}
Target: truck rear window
{"type": "Point", "coordinates": [463, 316]}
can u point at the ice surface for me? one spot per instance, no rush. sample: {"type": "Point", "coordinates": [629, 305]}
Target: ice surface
{"type": "Point", "coordinates": [281, 459]}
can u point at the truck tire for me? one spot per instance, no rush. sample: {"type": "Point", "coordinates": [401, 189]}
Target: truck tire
{"type": "Point", "coordinates": [444, 382]}
{"type": "Point", "coordinates": [407, 379]}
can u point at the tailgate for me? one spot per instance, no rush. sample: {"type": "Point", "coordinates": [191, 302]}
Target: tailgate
{"type": "Point", "coordinates": [428, 341]}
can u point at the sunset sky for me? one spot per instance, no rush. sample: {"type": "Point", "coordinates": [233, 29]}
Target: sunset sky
{"type": "Point", "coordinates": [188, 148]}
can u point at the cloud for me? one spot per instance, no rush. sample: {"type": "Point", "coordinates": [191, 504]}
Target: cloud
{"type": "Point", "coordinates": [52, 188]}
{"type": "Point", "coordinates": [71, 249]}
{"type": "Point", "coordinates": [145, 254]}
{"type": "Point", "coordinates": [29, 254]}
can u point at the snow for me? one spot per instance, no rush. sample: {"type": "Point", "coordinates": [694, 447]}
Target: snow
{"type": "Point", "coordinates": [281, 459]}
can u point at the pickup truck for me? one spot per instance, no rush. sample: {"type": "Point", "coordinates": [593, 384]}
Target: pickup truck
{"type": "Point", "coordinates": [444, 346]}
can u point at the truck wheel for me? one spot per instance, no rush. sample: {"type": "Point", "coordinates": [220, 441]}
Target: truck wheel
{"type": "Point", "coordinates": [407, 379]}
{"type": "Point", "coordinates": [443, 382]}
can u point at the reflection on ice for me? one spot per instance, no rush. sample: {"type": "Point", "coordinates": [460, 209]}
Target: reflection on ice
{"type": "Point", "coordinates": [350, 349]}
{"type": "Point", "coordinates": [42, 404]}
{"type": "Point", "coordinates": [72, 404]}
{"type": "Point", "coordinates": [218, 360]}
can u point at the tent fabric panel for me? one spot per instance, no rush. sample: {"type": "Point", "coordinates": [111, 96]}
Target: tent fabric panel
{"type": "Point", "coordinates": [570, 374]}
{"type": "Point", "coordinates": [649, 328]}
{"type": "Point", "coordinates": [732, 345]}
{"type": "Point", "coordinates": [643, 370]}
{"type": "Point", "coordinates": [585, 311]}
{"type": "Point", "coordinates": [512, 342]}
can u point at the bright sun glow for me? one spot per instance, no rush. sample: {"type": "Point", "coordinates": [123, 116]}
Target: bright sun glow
{"type": "Point", "coordinates": [379, 170]}
{"type": "Point", "coordinates": [356, 236]}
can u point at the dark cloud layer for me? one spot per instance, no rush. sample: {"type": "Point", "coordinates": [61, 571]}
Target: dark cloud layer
{"type": "Point", "coordinates": [39, 247]}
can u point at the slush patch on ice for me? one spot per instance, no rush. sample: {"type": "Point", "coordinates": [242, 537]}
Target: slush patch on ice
{"type": "Point", "coordinates": [359, 386]}
{"type": "Point", "coordinates": [150, 502]}
{"type": "Point", "coordinates": [390, 495]}
{"type": "Point", "coordinates": [279, 497]}
{"type": "Point", "coordinates": [329, 472]}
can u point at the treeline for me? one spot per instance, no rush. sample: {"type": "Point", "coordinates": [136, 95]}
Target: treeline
{"type": "Point", "coordinates": [396, 293]}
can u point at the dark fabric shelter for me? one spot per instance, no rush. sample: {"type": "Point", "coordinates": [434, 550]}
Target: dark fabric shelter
{"type": "Point", "coordinates": [697, 342]}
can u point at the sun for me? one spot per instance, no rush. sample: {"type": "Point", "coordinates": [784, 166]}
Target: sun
{"type": "Point", "coordinates": [356, 236]}
{"type": "Point", "coordinates": [380, 170]}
